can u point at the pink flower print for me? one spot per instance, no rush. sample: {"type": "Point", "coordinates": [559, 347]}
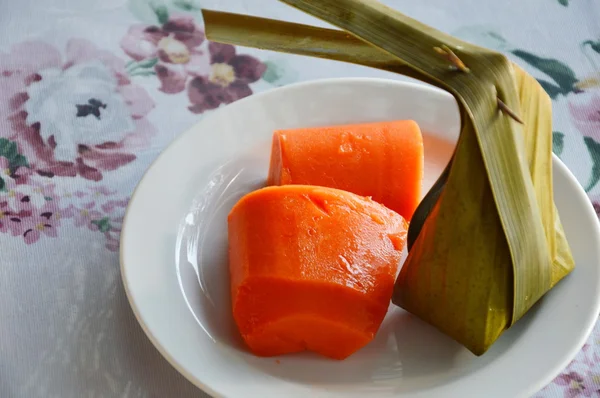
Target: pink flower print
{"type": "Point", "coordinates": [141, 41]}
{"type": "Point", "coordinates": [12, 223]}
{"type": "Point", "coordinates": [39, 225]}
{"type": "Point", "coordinates": [565, 379]}
{"type": "Point", "coordinates": [112, 245]}
{"type": "Point", "coordinates": [66, 212]}
{"type": "Point", "coordinates": [591, 385]}
{"type": "Point", "coordinates": [85, 215]}
{"type": "Point", "coordinates": [97, 209]}
{"type": "Point", "coordinates": [573, 381]}
{"type": "Point", "coordinates": [586, 117]}
{"type": "Point", "coordinates": [578, 385]}
{"type": "Point", "coordinates": [12, 212]}
{"type": "Point", "coordinates": [172, 80]}
{"type": "Point", "coordinates": [174, 45]}
{"type": "Point", "coordinates": [228, 81]}
{"type": "Point", "coordinates": [146, 41]}
{"type": "Point", "coordinates": [102, 191]}
{"type": "Point", "coordinates": [113, 234]}
{"type": "Point", "coordinates": [32, 197]}
{"type": "Point", "coordinates": [111, 228]}
{"type": "Point", "coordinates": [32, 211]}
{"type": "Point", "coordinates": [112, 205]}
{"type": "Point", "coordinates": [73, 115]}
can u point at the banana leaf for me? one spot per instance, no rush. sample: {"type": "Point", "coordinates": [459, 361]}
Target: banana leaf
{"type": "Point", "coordinates": [488, 243]}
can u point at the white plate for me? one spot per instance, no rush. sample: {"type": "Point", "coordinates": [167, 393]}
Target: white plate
{"type": "Point", "coordinates": [174, 261]}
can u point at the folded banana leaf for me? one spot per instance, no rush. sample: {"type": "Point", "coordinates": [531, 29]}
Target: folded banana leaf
{"type": "Point", "coordinates": [488, 241]}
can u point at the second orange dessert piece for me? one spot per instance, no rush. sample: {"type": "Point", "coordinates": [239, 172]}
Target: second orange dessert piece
{"type": "Point", "coordinates": [311, 268]}
{"type": "Point", "coordinates": [383, 160]}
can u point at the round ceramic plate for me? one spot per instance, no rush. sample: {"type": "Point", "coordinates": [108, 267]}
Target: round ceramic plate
{"type": "Point", "coordinates": [174, 261]}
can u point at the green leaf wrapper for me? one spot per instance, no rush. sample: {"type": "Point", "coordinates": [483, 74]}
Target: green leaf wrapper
{"type": "Point", "coordinates": [487, 241]}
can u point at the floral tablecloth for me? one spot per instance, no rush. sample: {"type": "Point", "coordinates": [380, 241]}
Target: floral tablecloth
{"type": "Point", "coordinates": [92, 91]}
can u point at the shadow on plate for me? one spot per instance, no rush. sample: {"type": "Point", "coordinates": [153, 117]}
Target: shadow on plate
{"type": "Point", "coordinates": [407, 355]}
{"type": "Point", "coordinates": [201, 257]}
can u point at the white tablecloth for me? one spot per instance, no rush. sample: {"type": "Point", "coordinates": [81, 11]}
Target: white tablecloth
{"type": "Point", "coordinates": [92, 91]}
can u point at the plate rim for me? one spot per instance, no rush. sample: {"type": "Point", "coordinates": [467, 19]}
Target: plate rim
{"type": "Point", "coordinates": [557, 163]}
{"type": "Point", "coordinates": [197, 382]}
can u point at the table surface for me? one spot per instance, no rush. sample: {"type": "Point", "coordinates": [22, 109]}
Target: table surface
{"type": "Point", "coordinates": [91, 92]}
